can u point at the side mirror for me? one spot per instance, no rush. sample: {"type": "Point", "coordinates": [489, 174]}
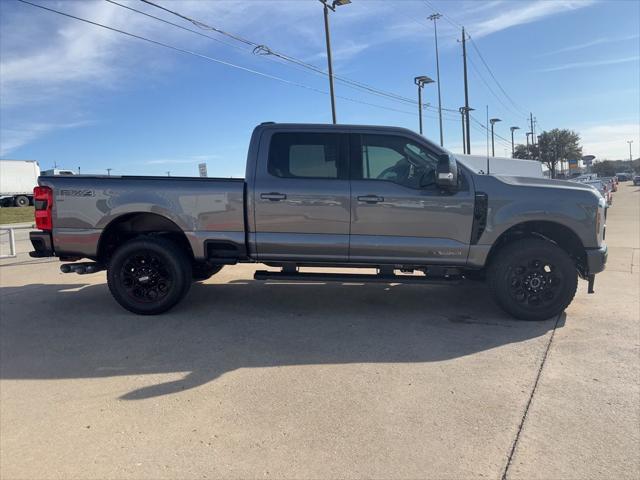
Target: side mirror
{"type": "Point", "coordinates": [447, 172]}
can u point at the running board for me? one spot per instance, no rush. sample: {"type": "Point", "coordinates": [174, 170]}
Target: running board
{"type": "Point", "coordinates": [352, 278]}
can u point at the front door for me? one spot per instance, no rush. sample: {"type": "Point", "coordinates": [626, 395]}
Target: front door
{"type": "Point", "coordinates": [398, 214]}
{"type": "Point", "coordinates": [302, 198]}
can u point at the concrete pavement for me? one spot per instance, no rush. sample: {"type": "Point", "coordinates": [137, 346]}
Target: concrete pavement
{"type": "Point", "coordinates": [246, 379]}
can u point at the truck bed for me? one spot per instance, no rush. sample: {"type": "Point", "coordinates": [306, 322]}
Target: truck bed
{"type": "Point", "coordinates": [203, 208]}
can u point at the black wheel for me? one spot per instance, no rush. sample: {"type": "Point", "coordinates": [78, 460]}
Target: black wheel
{"type": "Point", "coordinates": [149, 275]}
{"type": "Point", "coordinates": [22, 201]}
{"type": "Point", "coordinates": [202, 271]}
{"type": "Point", "coordinates": [533, 279]}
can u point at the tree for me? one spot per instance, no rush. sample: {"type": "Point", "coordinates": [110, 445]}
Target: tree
{"type": "Point", "coordinates": [525, 152]}
{"type": "Point", "coordinates": [553, 147]}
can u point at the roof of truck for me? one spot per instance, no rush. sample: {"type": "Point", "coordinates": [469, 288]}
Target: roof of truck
{"type": "Point", "coordinates": [337, 126]}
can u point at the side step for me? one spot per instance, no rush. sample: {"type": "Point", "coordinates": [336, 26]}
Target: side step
{"type": "Point", "coordinates": [353, 278]}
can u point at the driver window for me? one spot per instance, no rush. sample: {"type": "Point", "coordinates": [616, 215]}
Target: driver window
{"type": "Point", "coordinates": [398, 160]}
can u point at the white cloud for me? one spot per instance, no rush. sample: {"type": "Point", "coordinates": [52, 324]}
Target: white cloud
{"type": "Point", "coordinates": [592, 63]}
{"type": "Point", "coordinates": [610, 141]}
{"type": "Point", "coordinates": [592, 43]}
{"type": "Point", "coordinates": [13, 138]}
{"type": "Point", "coordinates": [525, 13]}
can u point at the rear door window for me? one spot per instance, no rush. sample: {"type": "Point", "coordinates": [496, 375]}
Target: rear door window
{"type": "Point", "coordinates": [306, 155]}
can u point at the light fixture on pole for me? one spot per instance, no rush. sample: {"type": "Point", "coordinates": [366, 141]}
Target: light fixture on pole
{"type": "Point", "coordinates": [434, 17]}
{"type": "Point", "coordinates": [630, 155]}
{"type": "Point", "coordinates": [493, 121]}
{"type": "Point", "coordinates": [513, 148]}
{"type": "Point", "coordinates": [421, 81]}
{"type": "Point", "coordinates": [332, 7]}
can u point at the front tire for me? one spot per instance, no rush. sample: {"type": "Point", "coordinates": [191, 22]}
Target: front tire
{"type": "Point", "coordinates": [149, 275]}
{"type": "Point", "coordinates": [533, 279]}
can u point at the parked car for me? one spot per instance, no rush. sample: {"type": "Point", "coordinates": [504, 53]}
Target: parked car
{"type": "Point", "coordinates": [636, 180]}
{"type": "Point", "coordinates": [331, 196]}
{"type": "Point", "coordinates": [623, 177]}
{"type": "Point", "coordinates": [611, 183]}
{"type": "Point", "coordinates": [602, 188]}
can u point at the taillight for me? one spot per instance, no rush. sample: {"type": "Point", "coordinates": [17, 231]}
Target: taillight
{"type": "Point", "coordinates": [43, 202]}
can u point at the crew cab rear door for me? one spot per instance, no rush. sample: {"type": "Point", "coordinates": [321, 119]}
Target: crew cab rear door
{"type": "Point", "coordinates": [301, 196]}
{"type": "Point", "coordinates": [398, 214]}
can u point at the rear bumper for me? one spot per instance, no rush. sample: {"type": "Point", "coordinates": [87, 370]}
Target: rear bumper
{"type": "Point", "coordinates": [596, 259]}
{"type": "Point", "coordinates": [42, 244]}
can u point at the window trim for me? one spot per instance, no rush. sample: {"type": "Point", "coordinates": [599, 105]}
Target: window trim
{"type": "Point", "coordinates": [342, 161]}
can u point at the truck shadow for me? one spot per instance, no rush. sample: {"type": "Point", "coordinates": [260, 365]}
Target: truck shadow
{"type": "Point", "coordinates": [78, 331]}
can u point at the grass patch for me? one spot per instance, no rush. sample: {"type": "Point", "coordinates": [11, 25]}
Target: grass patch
{"type": "Point", "coordinates": [16, 215]}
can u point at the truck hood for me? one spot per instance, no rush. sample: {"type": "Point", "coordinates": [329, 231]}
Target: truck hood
{"type": "Point", "coordinates": [544, 183]}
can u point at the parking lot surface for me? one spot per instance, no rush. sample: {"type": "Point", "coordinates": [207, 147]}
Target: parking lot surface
{"type": "Point", "coordinates": [247, 379]}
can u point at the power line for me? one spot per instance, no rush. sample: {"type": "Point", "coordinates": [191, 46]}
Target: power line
{"type": "Point", "coordinates": [209, 58]}
{"type": "Point", "coordinates": [444, 15]}
{"type": "Point", "coordinates": [504, 140]}
{"type": "Point", "coordinates": [475, 47]}
{"type": "Point", "coordinates": [491, 90]}
{"type": "Point", "coordinates": [518, 109]}
{"type": "Point", "coordinates": [229, 44]}
{"type": "Point", "coordinates": [262, 49]}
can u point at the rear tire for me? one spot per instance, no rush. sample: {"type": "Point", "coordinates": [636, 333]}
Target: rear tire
{"type": "Point", "coordinates": [21, 201]}
{"type": "Point", "coordinates": [149, 275]}
{"type": "Point", "coordinates": [532, 279]}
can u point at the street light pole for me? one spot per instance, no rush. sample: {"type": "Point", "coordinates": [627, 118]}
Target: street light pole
{"type": "Point", "coordinates": [435, 17]}
{"type": "Point", "coordinates": [420, 107]}
{"type": "Point", "coordinates": [421, 81]}
{"type": "Point", "coordinates": [513, 148]}
{"type": "Point", "coordinates": [493, 121]}
{"type": "Point", "coordinates": [630, 155]}
{"type": "Point", "coordinates": [327, 34]}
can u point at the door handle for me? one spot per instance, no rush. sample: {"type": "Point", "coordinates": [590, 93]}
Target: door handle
{"type": "Point", "coordinates": [273, 196]}
{"type": "Point", "coordinates": [370, 199]}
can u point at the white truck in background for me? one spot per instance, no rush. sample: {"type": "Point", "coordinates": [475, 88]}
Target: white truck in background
{"type": "Point", "coordinates": [17, 180]}
{"type": "Point", "coordinates": [510, 167]}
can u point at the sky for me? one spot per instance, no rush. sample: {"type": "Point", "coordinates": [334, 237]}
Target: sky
{"type": "Point", "coordinates": [76, 95]}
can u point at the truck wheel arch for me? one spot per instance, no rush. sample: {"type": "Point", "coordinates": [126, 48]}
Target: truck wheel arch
{"type": "Point", "coordinates": [557, 233]}
{"type": "Point", "coordinates": [131, 225]}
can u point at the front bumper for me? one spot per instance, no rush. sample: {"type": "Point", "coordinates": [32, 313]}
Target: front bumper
{"type": "Point", "coordinates": [596, 259]}
{"type": "Point", "coordinates": [42, 244]}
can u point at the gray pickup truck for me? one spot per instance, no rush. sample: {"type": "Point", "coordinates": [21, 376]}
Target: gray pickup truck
{"type": "Point", "coordinates": [338, 196]}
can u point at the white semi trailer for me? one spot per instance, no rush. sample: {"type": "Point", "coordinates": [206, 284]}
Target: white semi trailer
{"type": "Point", "coordinates": [17, 179]}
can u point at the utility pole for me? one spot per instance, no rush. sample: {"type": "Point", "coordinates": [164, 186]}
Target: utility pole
{"type": "Point", "coordinates": [630, 155]}
{"type": "Point", "coordinates": [533, 135]}
{"type": "Point", "coordinates": [435, 17]}
{"type": "Point", "coordinates": [464, 143]}
{"type": "Point", "coordinates": [466, 91]}
{"type": "Point", "coordinates": [464, 111]}
{"type": "Point", "coordinates": [336, 3]}
{"type": "Point", "coordinates": [109, 171]}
